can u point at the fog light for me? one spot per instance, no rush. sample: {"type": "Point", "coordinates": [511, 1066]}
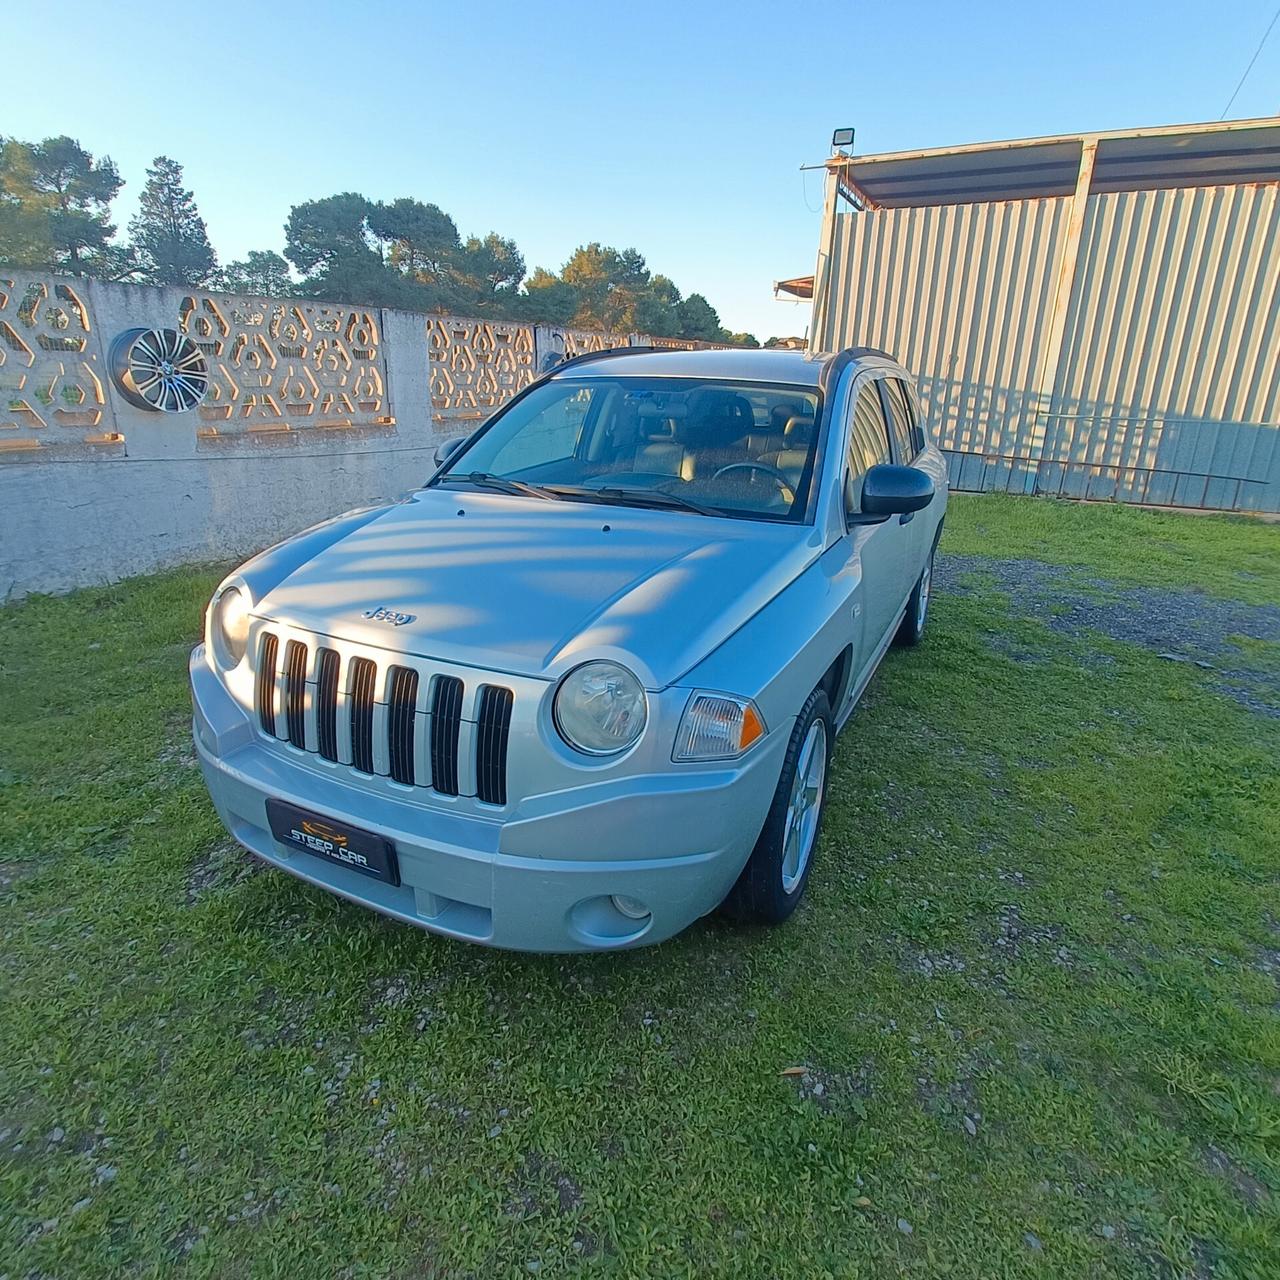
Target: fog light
{"type": "Point", "coordinates": [632, 908]}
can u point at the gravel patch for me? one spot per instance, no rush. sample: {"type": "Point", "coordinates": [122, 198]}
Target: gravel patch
{"type": "Point", "coordinates": [1243, 1183]}
{"type": "Point", "coordinates": [542, 1188]}
{"type": "Point", "coordinates": [1179, 626]}
{"type": "Point", "coordinates": [221, 868]}
{"type": "Point", "coordinates": [12, 872]}
{"type": "Point", "coordinates": [827, 1090]}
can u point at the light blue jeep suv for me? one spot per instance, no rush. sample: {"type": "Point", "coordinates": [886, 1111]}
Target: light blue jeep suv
{"type": "Point", "coordinates": [582, 687]}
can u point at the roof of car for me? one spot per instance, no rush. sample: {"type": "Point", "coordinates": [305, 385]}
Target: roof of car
{"type": "Point", "coordinates": [745, 364]}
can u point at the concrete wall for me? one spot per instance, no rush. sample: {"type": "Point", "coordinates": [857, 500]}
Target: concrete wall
{"type": "Point", "coordinates": [310, 409]}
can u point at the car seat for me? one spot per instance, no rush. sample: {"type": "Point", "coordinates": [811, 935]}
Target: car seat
{"type": "Point", "coordinates": [714, 432]}
{"type": "Point", "coordinates": [659, 452]}
{"type": "Point", "coordinates": [798, 441]}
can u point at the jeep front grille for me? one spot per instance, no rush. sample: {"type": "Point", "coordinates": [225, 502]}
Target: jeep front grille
{"type": "Point", "coordinates": [493, 729]}
{"type": "Point", "coordinates": [266, 683]}
{"type": "Point", "coordinates": [295, 691]}
{"type": "Point", "coordinates": [327, 662]}
{"type": "Point", "coordinates": [363, 673]}
{"type": "Point", "coordinates": [446, 721]}
{"type": "Point", "coordinates": [402, 699]}
{"type": "Point", "coordinates": [377, 721]}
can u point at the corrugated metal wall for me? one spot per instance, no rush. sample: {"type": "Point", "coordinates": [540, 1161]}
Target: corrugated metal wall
{"type": "Point", "coordinates": [1167, 385]}
{"type": "Point", "coordinates": [1170, 368]}
{"type": "Point", "coordinates": [956, 292]}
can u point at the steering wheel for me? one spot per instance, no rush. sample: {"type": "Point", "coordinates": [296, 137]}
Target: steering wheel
{"type": "Point", "coordinates": [772, 472]}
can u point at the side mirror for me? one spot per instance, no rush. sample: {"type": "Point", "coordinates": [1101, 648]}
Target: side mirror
{"type": "Point", "coordinates": [447, 448]}
{"type": "Point", "coordinates": [892, 491]}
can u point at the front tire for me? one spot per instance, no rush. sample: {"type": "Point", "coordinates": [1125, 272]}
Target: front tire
{"type": "Point", "coordinates": [911, 632]}
{"type": "Point", "coordinates": [774, 879]}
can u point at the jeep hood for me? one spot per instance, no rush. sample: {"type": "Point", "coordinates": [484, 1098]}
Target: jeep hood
{"type": "Point", "coordinates": [533, 587]}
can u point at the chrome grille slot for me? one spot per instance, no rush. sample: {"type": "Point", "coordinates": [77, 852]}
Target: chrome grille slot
{"type": "Point", "coordinates": [295, 692]}
{"type": "Point", "coordinates": [446, 721]}
{"type": "Point", "coordinates": [327, 703]}
{"type": "Point", "coordinates": [402, 697]}
{"type": "Point", "coordinates": [363, 674]}
{"type": "Point", "coordinates": [492, 731]}
{"type": "Point", "coordinates": [266, 682]}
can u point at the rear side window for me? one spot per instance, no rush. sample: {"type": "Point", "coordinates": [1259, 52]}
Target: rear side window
{"type": "Point", "coordinates": [906, 435]}
{"type": "Point", "coordinates": [917, 414]}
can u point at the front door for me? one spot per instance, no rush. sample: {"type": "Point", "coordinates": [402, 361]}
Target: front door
{"type": "Point", "coordinates": [881, 550]}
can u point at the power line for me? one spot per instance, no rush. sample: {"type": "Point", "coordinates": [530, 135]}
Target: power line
{"type": "Point", "coordinates": [1265, 35]}
{"type": "Point", "coordinates": [804, 190]}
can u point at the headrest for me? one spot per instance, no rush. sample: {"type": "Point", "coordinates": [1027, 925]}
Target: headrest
{"type": "Point", "coordinates": [799, 430]}
{"type": "Point", "coordinates": [780, 413]}
{"type": "Point", "coordinates": [717, 418]}
{"type": "Point", "coordinates": [656, 430]}
{"type": "Point", "coordinates": [676, 409]}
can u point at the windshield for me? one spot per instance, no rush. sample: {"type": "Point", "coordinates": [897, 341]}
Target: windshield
{"type": "Point", "coordinates": [719, 448]}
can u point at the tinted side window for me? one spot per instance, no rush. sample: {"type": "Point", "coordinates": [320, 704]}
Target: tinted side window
{"type": "Point", "coordinates": [905, 435]}
{"type": "Point", "coordinates": [916, 416]}
{"type": "Point", "coordinates": [868, 436]}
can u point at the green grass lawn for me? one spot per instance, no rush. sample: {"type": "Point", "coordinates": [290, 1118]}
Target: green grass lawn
{"type": "Point", "coordinates": [1233, 556]}
{"type": "Point", "coordinates": [1033, 988]}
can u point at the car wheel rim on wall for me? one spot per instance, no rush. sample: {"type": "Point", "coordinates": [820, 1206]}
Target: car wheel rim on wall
{"type": "Point", "coordinates": [804, 806]}
{"type": "Point", "coordinates": [159, 369]}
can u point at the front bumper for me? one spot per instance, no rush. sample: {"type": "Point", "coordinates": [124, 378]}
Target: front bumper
{"type": "Point", "coordinates": [539, 878]}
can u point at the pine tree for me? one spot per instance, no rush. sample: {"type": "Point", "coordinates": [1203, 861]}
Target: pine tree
{"type": "Point", "coordinates": [54, 204]}
{"type": "Point", "coordinates": [26, 239]}
{"type": "Point", "coordinates": [263, 272]}
{"type": "Point", "coordinates": [698, 319]}
{"type": "Point", "coordinates": [168, 231]}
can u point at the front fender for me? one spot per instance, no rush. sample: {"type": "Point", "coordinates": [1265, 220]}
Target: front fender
{"type": "Point", "coordinates": [785, 649]}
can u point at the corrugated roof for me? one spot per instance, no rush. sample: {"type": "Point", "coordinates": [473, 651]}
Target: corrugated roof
{"type": "Point", "coordinates": [1198, 155]}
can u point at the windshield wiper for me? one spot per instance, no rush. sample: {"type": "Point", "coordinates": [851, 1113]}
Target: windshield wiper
{"type": "Point", "coordinates": [631, 497]}
{"type": "Point", "coordinates": [484, 480]}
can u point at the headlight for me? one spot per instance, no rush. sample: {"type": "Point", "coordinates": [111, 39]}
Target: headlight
{"type": "Point", "coordinates": [717, 726]}
{"type": "Point", "coordinates": [600, 708]}
{"type": "Point", "coordinates": [229, 627]}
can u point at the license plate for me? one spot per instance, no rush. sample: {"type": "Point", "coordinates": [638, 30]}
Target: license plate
{"type": "Point", "coordinates": [334, 841]}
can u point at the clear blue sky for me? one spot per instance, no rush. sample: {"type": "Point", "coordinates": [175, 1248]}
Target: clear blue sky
{"type": "Point", "coordinates": [678, 128]}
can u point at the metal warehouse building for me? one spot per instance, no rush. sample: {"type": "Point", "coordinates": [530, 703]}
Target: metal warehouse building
{"type": "Point", "coordinates": [1095, 315]}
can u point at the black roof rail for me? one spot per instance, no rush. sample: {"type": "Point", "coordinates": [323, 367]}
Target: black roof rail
{"type": "Point", "coordinates": [841, 360]}
{"type": "Point", "coordinates": [587, 356]}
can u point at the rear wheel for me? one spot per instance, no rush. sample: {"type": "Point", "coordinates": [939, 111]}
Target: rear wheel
{"type": "Point", "coordinates": [774, 879]}
{"type": "Point", "coordinates": [912, 629]}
